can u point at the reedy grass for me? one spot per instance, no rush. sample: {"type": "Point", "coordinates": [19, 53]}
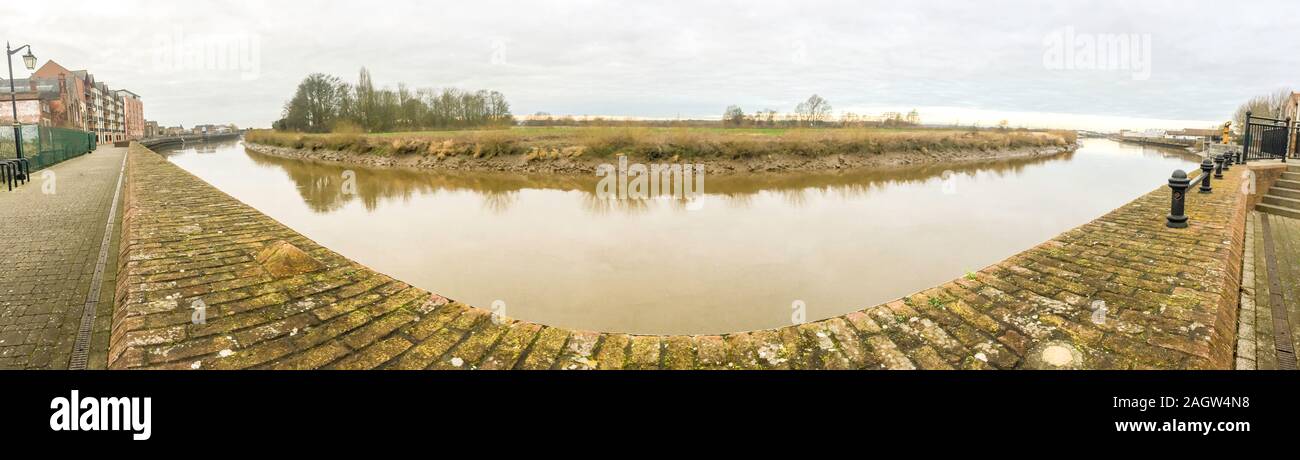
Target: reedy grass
{"type": "Point", "coordinates": [664, 143]}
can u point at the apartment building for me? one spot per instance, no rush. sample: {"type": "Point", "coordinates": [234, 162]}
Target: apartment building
{"type": "Point", "coordinates": [90, 105]}
{"type": "Point", "coordinates": [132, 114]}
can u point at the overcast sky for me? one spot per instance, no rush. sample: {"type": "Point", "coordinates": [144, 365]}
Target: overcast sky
{"type": "Point", "coordinates": [961, 61]}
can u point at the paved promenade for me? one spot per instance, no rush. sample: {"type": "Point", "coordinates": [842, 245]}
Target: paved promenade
{"type": "Point", "coordinates": [210, 283]}
{"type": "Point", "coordinates": [1270, 318]}
{"type": "Point", "coordinates": [52, 231]}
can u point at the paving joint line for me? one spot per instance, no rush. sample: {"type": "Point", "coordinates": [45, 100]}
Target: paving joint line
{"type": "Point", "coordinates": [1281, 326]}
{"type": "Point", "coordinates": [81, 348]}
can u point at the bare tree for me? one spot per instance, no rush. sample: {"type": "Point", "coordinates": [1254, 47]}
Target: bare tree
{"type": "Point", "coordinates": [1272, 105]}
{"type": "Point", "coordinates": [733, 116]}
{"type": "Point", "coordinates": [813, 111]}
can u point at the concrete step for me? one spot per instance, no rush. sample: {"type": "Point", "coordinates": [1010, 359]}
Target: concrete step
{"type": "Point", "coordinates": [1275, 200]}
{"type": "Point", "coordinates": [1293, 176]}
{"type": "Point", "coordinates": [1278, 210]}
{"type": "Point", "coordinates": [1289, 184]}
{"type": "Point", "coordinates": [1292, 168]}
{"type": "Point", "coordinates": [1284, 192]}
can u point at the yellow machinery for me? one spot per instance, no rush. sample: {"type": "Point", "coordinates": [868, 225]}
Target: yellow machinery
{"type": "Point", "coordinates": [1227, 132]}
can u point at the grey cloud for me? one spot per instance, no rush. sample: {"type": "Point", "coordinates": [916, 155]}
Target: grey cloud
{"type": "Point", "coordinates": [662, 59]}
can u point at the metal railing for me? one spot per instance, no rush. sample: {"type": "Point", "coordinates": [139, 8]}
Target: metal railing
{"type": "Point", "coordinates": [186, 138]}
{"type": "Point", "coordinates": [1179, 183]}
{"type": "Point", "coordinates": [1265, 138]}
{"type": "Point", "coordinates": [42, 147]}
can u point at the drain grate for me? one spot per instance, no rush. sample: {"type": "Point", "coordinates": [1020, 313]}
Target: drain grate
{"type": "Point", "coordinates": [1281, 326]}
{"type": "Point", "coordinates": [81, 348]}
{"type": "Point", "coordinates": [1286, 360]}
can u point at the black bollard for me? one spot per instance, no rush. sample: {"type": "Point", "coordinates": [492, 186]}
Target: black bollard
{"type": "Point", "coordinates": [1178, 183]}
{"type": "Point", "coordinates": [1227, 161]}
{"type": "Point", "coordinates": [1218, 166]}
{"type": "Point", "coordinates": [1207, 167]}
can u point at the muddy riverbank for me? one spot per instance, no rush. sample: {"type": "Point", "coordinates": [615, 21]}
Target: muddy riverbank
{"type": "Point", "coordinates": [587, 165]}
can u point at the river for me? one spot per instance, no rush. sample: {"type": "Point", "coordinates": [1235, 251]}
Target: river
{"type": "Point", "coordinates": [753, 252]}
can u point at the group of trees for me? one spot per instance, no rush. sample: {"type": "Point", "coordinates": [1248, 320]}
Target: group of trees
{"type": "Point", "coordinates": [546, 119]}
{"type": "Point", "coordinates": [1272, 105]}
{"type": "Point", "coordinates": [735, 117]}
{"type": "Point", "coordinates": [324, 103]}
{"type": "Point", "coordinates": [813, 112]}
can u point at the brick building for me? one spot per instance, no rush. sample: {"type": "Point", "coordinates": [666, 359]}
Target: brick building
{"type": "Point", "coordinates": [132, 114]}
{"type": "Point", "coordinates": [86, 104]}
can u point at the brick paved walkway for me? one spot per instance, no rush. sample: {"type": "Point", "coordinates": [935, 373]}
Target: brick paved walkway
{"type": "Point", "coordinates": [1270, 324]}
{"type": "Point", "coordinates": [1123, 291]}
{"type": "Point", "coordinates": [51, 243]}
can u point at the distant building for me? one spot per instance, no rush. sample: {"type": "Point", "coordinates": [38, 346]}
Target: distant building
{"type": "Point", "coordinates": [132, 114]}
{"type": "Point", "coordinates": [1209, 134]}
{"type": "Point", "coordinates": [1292, 112]}
{"type": "Point", "coordinates": [151, 129]}
{"type": "Point", "coordinates": [1144, 133]}
{"type": "Point", "coordinates": [1292, 108]}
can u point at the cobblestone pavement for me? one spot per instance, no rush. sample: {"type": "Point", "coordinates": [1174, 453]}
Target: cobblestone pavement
{"type": "Point", "coordinates": [210, 283]}
{"type": "Point", "coordinates": [47, 260]}
{"type": "Point", "coordinates": [1270, 319]}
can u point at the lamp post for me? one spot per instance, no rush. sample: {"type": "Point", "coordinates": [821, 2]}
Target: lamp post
{"type": "Point", "coordinates": [29, 60]}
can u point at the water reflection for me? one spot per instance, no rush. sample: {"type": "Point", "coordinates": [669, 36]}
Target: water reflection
{"type": "Point", "coordinates": [555, 253]}
{"type": "Point", "coordinates": [324, 186]}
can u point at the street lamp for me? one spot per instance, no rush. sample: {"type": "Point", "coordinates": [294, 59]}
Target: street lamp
{"type": "Point", "coordinates": [29, 60]}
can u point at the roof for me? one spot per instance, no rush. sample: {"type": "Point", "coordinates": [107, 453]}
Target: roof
{"type": "Point", "coordinates": [1205, 132]}
{"type": "Point", "coordinates": [52, 67]}
{"type": "Point", "coordinates": [46, 88]}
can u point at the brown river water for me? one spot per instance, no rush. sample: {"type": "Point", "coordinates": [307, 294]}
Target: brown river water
{"type": "Point", "coordinates": [752, 252]}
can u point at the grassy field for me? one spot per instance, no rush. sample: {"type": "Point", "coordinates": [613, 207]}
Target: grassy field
{"type": "Point", "coordinates": [664, 143]}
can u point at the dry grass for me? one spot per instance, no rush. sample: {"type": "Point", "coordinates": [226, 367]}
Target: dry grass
{"type": "Point", "coordinates": [665, 143]}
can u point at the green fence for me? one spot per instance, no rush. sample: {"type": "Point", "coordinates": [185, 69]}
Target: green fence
{"type": "Point", "coordinates": [44, 146]}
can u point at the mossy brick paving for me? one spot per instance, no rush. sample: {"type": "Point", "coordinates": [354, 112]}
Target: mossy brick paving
{"type": "Point", "coordinates": [1170, 302]}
